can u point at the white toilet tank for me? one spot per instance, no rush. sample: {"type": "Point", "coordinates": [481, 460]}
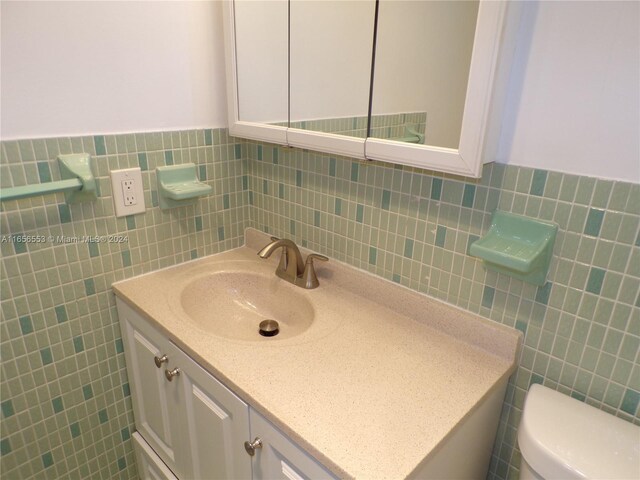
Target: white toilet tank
{"type": "Point", "coordinates": [563, 438]}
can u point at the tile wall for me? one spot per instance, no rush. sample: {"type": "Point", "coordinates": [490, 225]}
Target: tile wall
{"type": "Point", "coordinates": [66, 407]}
{"type": "Point", "coordinates": [414, 227]}
{"type": "Point", "coordinates": [65, 398]}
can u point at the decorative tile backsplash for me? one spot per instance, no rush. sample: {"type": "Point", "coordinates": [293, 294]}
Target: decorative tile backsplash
{"type": "Point", "coordinates": [66, 407]}
{"type": "Point", "coordinates": [65, 397]}
{"type": "Point", "coordinates": [414, 227]}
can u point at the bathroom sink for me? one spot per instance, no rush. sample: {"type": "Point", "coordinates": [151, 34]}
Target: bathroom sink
{"type": "Point", "coordinates": [232, 304]}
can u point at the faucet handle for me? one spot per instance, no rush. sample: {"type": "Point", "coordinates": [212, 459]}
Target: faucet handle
{"type": "Point", "coordinates": [309, 277]}
{"type": "Point", "coordinates": [316, 256]}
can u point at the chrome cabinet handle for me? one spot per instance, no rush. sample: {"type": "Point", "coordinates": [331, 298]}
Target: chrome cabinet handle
{"type": "Point", "coordinates": [171, 373]}
{"type": "Point", "coordinates": [251, 447]}
{"type": "Point", "coordinates": [160, 360]}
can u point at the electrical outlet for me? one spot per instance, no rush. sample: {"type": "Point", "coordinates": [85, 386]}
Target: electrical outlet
{"type": "Point", "coordinates": [127, 192]}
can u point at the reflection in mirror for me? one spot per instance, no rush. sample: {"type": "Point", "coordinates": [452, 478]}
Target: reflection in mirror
{"type": "Point", "coordinates": [423, 53]}
{"type": "Point", "coordinates": [261, 51]}
{"type": "Point", "coordinates": [331, 45]}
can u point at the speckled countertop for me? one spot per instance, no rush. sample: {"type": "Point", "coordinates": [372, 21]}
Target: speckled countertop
{"type": "Point", "coordinates": [379, 361]}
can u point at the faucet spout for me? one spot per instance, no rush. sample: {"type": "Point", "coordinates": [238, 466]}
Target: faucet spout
{"type": "Point", "coordinates": [290, 248]}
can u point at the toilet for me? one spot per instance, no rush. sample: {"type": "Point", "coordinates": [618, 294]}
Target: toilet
{"type": "Point", "coordinates": [562, 438]}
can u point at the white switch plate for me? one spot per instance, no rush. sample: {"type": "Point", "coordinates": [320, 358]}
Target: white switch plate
{"type": "Point", "coordinates": [128, 195]}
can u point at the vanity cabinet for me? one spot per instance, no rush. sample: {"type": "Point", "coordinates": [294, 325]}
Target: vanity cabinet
{"type": "Point", "coordinates": [189, 425]}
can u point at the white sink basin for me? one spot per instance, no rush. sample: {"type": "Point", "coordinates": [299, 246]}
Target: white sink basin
{"type": "Point", "coordinates": [232, 304]}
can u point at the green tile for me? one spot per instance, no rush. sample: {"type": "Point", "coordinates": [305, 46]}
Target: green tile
{"type": "Point", "coordinates": [93, 249]}
{"type": "Point", "coordinates": [122, 463]}
{"type": "Point", "coordinates": [19, 246]}
{"type": "Point", "coordinates": [126, 390]}
{"type": "Point", "coordinates": [89, 286]}
{"type": "Point", "coordinates": [275, 155]}
{"type": "Point", "coordinates": [298, 178]}
{"type": "Point", "coordinates": [74, 428]}
{"type": "Point", "coordinates": [245, 182]}
{"type": "Point", "coordinates": [594, 222]}
{"type": "Point", "coordinates": [46, 356]}
{"type": "Point", "coordinates": [142, 162]}
{"type": "Point", "coordinates": [78, 344]}
{"type": "Point", "coordinates": [126, 258]}
{"type": "Point", "coordinates": [408, 248]}
{"type": "Point", "coordinates": [543, 292]}
{"type": "Point", "coordinates": [538, 182]}
{"type": "Point", "coordinates": [208, 137]}
{"type": "Point", "coordinates": [47, 459]}
{"type": "Point", "coordinates": [202, 172]}
{"type": "Point", "coordinates": [487, 296]}
{"type": "Point", "coordinates": [87, 392]}
{"type": "Point", "coordinates": [220, 234]}
{"type": "Point", "coordinates": [594, 283]}
{"type": "Point", "coordinates": [436, 188]}
{"type": "Point", "coordinates": [237, 151]}
{"type": "Point", "coordinates": [57, 404]}
{"type": "Point", "coordinates": [332, 167]}
{"type": "Point", "coordinates": [44, 172]}
{"type": "Point", "coordinates": [441, 235]}
{"type": "Point", "coordinates": [316, 218]}
{"type": "Point", "coordinates": [468, 195]}
{"type": "Point", "coordinates": [386, 199]}
{"type": "Point", "coordinates": [198, 223]}
{"type": "Point", "coordinates": [337, 208]}
{"type": "Point", "coordinates": [259, 152]}
{"type": "Point", "coordinates": [125, 434]}
{"type": "Point", "coordinates": [7, 408]}
{"type": "Point", "coordinates": [99, 145]}
{"type": "Point", "coordinates": [168, 157]}
{"type": "Point", "coordinates": [103, 417]}
{"type": "Point", "coordinates": [226, 201]}
{"type": "Point", "coordinates": [64, 212]}
{"type": "Point", "coordinates": [630, 402]}
{"type": "Point", "coordinates": [292, 227]}
{"type": "Point", "coordinates": [359, 213]}
{"type": "Point", "coordinates": [265, 187]}
{"type": "Point", "coordinates": [26, 325]}
{"type": "Point", "coordinates": [355, 170]}
{"type": "Point", "coordinates": [131, 222]}
{"type": "Point", "coordinates": [61, 313]}
{"type": "Point", "coordinates": [373, 254]}
{"type": "Point", "coordinates": [5, 447]}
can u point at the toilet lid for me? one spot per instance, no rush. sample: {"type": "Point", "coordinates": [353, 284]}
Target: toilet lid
{"type": "Point", "coordinates": [561, 437]}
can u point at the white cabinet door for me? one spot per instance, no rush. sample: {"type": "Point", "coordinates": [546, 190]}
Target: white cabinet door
{"type": "Point", "coordinates": [215, 424]}
{"type": "Point", "coordinates": [153, 396]}
{"type": "Point", "coordinates": [280, 458]}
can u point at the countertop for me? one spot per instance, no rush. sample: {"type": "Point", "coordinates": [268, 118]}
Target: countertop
{"type": "Point", "coordinates": [383, 376]}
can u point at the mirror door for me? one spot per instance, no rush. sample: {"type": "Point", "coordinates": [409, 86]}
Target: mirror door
{"type": "Point", "coordinates": [331, 44]}
{"type": "Point", "coordinates": [434, 91]}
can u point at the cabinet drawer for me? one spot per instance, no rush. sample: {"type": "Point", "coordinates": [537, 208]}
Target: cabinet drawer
{"type": "Point", "coordinates": [150, 467]}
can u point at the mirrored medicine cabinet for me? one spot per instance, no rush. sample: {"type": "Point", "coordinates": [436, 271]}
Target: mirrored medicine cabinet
{"type": "Point", "coordinates": [415, 82]}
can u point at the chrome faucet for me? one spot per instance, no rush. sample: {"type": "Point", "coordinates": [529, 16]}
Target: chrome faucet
{"type": "Point", "coordinates": [291, 267]}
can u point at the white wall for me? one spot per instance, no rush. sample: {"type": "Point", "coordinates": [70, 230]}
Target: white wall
{"type": "Point", "coordinates": [97, 67]}
{"type": "Point", "coordinates": [72, 68]}
{"type": "Point", "coordinates": [574, 97]}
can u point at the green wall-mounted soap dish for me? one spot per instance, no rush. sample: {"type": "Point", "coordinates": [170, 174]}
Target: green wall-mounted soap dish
{"type": "Point", "coordinates": [178, 186]}
{"type": "Point", "coordinates": [517, 246]}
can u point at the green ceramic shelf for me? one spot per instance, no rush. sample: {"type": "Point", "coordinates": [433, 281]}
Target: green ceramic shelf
{"type": "Point", "coordinates": [517, 246]}
{"type": "Point", "coordinates": [78, 182]}
{"type": "Point", "coordinates": [178, 186]}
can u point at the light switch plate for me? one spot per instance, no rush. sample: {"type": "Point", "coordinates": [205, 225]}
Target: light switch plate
{"type": "Point", "coordinates": [127, 191]}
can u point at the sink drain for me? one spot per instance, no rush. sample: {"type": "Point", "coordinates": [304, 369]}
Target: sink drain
{"type": "Point", "coordinates": [269, 328]}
